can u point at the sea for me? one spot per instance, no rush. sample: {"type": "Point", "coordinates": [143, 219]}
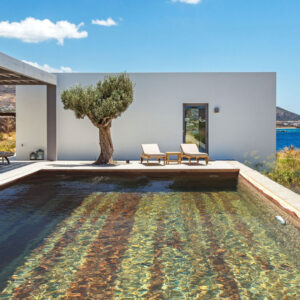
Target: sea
{"type": "Point", "coordinates": [287, 137]}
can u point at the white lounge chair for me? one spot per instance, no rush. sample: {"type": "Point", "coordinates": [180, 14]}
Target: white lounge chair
{"type": "Point", "coordinates": [152, 151]}
{"type": "Point", "coordinates": [190, 151]}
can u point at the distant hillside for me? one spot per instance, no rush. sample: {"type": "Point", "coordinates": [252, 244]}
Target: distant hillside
{"type": "Point", "coordinates": [285, 115]}
{"type": "Point", "coordinates": [7, 98]}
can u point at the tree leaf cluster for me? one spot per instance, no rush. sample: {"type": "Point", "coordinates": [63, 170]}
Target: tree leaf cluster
{"type": "Point", "coordinates": [101, 103]}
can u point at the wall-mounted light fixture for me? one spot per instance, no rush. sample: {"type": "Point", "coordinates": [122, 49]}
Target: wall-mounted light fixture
{"type": "Point", "coordinates": [217, 110]}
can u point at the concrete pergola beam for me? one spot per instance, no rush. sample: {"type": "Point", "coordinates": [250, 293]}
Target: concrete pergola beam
{"type": "Point", "coordinates": [16, 72]}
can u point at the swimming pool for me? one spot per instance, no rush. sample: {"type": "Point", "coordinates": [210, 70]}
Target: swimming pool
{"type": "Point", "coordinates": [109, 237]}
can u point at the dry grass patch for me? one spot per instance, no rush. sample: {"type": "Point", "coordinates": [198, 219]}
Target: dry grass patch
{"type": "Point", "coordinates": [8, 142]}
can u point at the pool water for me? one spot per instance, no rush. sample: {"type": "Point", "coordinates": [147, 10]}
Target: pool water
{"type": "Point", "coordinates": [112, 238]}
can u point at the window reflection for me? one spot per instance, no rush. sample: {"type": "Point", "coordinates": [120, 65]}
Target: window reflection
{"type": "Point", "coordinates": [195, 126]}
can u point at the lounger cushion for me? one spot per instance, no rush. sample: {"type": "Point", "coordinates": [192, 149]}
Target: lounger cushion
{"type": "Point", "coordinates": [200, 154]}
{"type": "Point", "coordinates": [151, 150]}
{"type": "Point", "coordinates": [191, 149]}
{"type": "Point", "coordinates": [155, 155]}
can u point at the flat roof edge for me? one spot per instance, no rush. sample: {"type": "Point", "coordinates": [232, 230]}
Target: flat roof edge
{"type": "Point", "coordinates": [166, 73]}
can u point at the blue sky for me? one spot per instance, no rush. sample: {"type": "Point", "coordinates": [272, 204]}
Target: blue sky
{"type": "Point", "coordinates": [159, 35]}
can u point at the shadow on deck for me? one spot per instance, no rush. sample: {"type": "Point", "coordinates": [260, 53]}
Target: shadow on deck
{"type": "Point", "coordinates": [13, 166]}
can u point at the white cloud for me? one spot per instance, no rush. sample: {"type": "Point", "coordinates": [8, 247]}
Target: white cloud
{"type": "Point", "coordinates": [108, 22]}
{"type": "Point", "coordinates": [47, 68]}
{"type": "Point", "coordinates": [32, 30]}
{"type": "Point", "coordinates": [188, 1]}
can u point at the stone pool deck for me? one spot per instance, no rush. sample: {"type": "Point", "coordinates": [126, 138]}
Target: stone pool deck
{"type": "Point", "coordinates": [286, 198]}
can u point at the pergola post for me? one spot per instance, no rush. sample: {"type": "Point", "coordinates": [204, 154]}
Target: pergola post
{"type": "Point", "coordinates": [51, 123]}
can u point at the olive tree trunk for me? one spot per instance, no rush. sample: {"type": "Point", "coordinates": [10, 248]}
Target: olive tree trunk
{"type": "Point", "coordinates": [106, 145]}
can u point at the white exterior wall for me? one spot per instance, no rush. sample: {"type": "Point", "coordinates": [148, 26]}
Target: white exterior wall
{"type": "Point", "coordinates": [31, 121]}
{"type": "Point", "coordinates": [243, 130]}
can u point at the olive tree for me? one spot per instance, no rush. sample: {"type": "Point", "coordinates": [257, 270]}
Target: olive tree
{"type": "Point", "coordinates": [101, 104]}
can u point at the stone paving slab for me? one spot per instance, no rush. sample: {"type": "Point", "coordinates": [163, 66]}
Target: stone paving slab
{"type": "Point", "coordinates": [17, 170]}
{"type": "Point", "coordinates": [13, 165]}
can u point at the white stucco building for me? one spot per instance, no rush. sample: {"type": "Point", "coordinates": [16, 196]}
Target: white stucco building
{"type": "Point", "coordinates": [230, 115]}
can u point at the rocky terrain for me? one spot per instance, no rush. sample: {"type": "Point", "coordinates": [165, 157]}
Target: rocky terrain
{"type": "Point", "coordinates": [7, 98]}
{"type": "Point", "coordinates": [285, 115]}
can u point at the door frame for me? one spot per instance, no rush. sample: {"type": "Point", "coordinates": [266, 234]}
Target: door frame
{"type": "Point", "coordinates": [206, 116]}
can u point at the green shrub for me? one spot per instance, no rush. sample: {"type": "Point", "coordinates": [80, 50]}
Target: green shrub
{"type": "Point", "coordinates": [287, 170]}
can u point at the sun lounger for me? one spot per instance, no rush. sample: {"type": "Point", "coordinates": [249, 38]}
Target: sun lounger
{"type": "Point", "coordinates": [6, 155]}
{"type": "Point", "coordinates": [190, 151]}
{"type": "Point", "coordinates": [151, 151]}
